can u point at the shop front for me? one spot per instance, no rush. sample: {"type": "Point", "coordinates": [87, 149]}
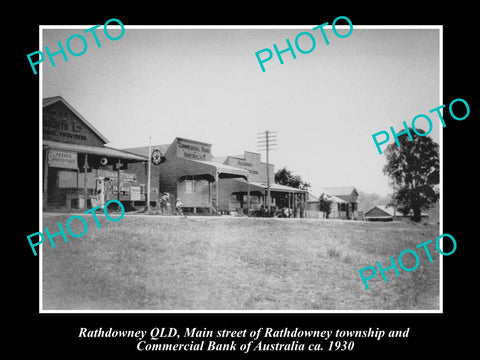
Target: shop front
{"type": "Point", "coordinates": [186, 171]}
{"type": "Point", "coordinates": [79, 171]}
{"type": "Point", "coordinates": [251, 197]}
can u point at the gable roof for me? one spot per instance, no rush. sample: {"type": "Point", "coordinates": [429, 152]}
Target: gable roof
{"type": "Point", "coordinates": [383, 208]}
{"type": "Point", "coordinates": [388, 210]}
{"type": "Point", "coordinates": [340, 190]}
{"type": "Point", "coordinates": [54, 99]}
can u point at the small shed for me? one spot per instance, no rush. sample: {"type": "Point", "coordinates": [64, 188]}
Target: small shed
{"type": "Point", "coordinates": [386, 213]}
{"type": "Point", "coordinates": [379, 213]}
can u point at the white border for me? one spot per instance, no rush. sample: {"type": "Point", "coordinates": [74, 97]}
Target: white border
{"type": "Point", "coordinates": [401, 27]}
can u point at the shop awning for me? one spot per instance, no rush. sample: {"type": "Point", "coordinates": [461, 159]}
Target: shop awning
{"type": "Point", "coordinates": [242, 187]}
{"type": "Point", "coordinates": [262, 187]}
{"type": "Point", "coordinates": [283, 188]}
{"type": "Point", "coordinates": [97, 150]}
{"type": "Point", "coordinates": [209, 169]}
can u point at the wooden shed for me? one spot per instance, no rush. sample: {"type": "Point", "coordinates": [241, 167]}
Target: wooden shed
{"type": "Point", "coordinates": [379, 213]}
{"type": "Point", "coordinates": [386, 213]}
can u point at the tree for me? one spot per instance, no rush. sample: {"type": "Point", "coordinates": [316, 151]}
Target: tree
{"type": "Point", "coordinates": [285, 177]}
{"type": "Point", "coordinates": [326, 204]}
{"type": "Point", "coordinates": [414, 168]}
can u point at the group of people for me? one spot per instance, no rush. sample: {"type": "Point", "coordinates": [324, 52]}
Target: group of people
{"type": "Point", "coordinates": [166, 208]}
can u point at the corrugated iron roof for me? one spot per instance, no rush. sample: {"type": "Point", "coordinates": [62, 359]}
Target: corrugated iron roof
{"type": "Point", "coordinates": [278, 187]}
{"type": "Point", "coordinates": [99, 150]}
{"type": "Point", "coordinates": [221, 168]}
{"type": "Point", "coordinates": [389, 210]}
{"type": "Point", "coordinates": [383, 208]}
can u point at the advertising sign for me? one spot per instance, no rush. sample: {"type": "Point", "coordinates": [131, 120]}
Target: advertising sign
{"type": "Point", "coordinates": [62, 159]}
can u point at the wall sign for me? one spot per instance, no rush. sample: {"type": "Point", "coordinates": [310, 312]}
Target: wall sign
{"type": "Point", "coordinates": [62, 159]}
{"type": "Point", "coordinates": [194, 150]}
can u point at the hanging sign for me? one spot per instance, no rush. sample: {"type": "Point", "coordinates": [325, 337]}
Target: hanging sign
{"type": "Point", "coordinates": [156, 156]}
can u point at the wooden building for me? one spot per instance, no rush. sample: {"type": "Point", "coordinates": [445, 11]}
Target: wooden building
{"type": "Point", "coordinates": [186, 171]}
{"type": "Point", "coordinates": [251, 195]}
{"type": "Point", "coordinates": [344, 203]}
{"type": "Point", "coordinates": [78, 169]}
{"type": "Point", "coordinates": [386, 213]}
{"type": "Point", "coordinates": [379, 213]}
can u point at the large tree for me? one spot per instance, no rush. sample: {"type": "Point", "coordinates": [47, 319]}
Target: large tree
{"type": "Point", "coordinates": [414, 170]}
{"type": "Point", "coordinates": [285, 177]}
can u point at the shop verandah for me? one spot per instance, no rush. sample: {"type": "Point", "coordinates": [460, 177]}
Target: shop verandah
{"type": "Point", "coordinates": [186, 171]}
{"type": "Point", "coordinates": [251, 198]}
{"type": "Point", "coordinates": [84, 176]}
{"type": "Point", "coordinates": [202, 185]}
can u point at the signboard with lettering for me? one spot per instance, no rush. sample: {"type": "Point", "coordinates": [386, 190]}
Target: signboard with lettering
{"type": "Point", "coordinates": [135, 194]}
{"type": "Point", "coordinates": [62, 159]}
{"type": "Point", "coordinates": [194, 150]}
{"type": "Point", "coordinates": [61, 124]}
{"type": "Point", "coordinates": [256, 170]}
{"type": "Point", "coordinates": [113, 175]}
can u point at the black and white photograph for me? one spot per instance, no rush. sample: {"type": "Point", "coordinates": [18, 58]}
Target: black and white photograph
{"type": "Point", "coordinates": [248, 188]}
{"type": "Point", "coordinates": [242, 189]}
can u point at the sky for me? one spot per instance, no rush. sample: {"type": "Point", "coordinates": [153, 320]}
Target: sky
{"type": "Point", "coordinates": [206, 85]}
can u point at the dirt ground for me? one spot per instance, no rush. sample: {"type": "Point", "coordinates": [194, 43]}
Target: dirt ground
{"type": "Point", "coordinates": [229, 263]}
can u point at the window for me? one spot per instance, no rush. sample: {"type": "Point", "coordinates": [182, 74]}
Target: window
{"type": "Point", "coordinates": [189, 186]}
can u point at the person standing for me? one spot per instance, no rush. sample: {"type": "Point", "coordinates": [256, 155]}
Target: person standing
{"type": "Point", "coordinates": [163, 204]}
{"type": "Point", "coordinates": [179, 206]}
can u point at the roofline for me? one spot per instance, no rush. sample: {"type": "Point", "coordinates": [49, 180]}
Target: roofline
{"type": "Point", "coordinates": [91, 149]}
{"type": "Point", "coordinates": [192, 141]}
{"type": "Point", "coordinates": [238, 158]}
{"type": "Point", "coordinates": [72, 109]}
{"type": "Point", "coordinates": [252, 152]}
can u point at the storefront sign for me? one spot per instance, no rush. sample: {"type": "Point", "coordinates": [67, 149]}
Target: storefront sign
{"type": "Point", "coordinates": [113, 176]}
{"type": "Point", "coordinates": [62, 159]}
{"type": "Point", "coordinates": [135, 194]}
{"type": "Point", "coordinates": [245, 165]}
{"type": "Point", "coordinates": [193, 150]}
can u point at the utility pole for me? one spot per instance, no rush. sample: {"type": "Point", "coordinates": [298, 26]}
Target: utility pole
{"type": "Point", "coordinates": [394, 197]}
{"type": "Point", "coordinates": [265, 141]}
{"type": "Point", "coordinates": [149, 171]}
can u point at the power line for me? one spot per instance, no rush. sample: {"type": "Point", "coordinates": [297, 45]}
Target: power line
{"type": "Point", "coordinates": [265, 141]}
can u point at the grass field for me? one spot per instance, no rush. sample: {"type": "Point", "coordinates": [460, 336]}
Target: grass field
{"type": "Point", "coordinates": [228, 263]}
